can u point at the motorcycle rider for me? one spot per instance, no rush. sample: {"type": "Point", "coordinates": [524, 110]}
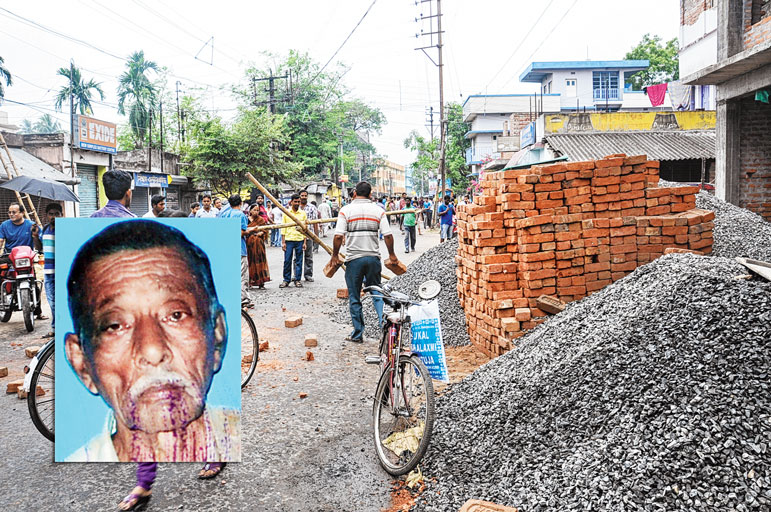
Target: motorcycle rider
{"type": "Point", "coordinates": [18, 231]}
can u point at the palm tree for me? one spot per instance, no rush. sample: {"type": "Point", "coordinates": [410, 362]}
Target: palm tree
{"type": "Point", "coordinates": [47, 124]}
{"type": "Point", "coordinates": [81, 90]}
{"type": "Point", "coordinates": [27, 126]}
{"type": "Point", "coordinates": [139, 94]}
{"type": "Point", "coordinates": [4, 75]}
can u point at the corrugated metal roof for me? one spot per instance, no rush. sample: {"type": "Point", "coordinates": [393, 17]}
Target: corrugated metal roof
{"type": "Point", "coordinates": [30, 165]}
{"type": "Point", "coordinates": [672, 145]}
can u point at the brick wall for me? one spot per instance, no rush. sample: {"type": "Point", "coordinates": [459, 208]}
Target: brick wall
{"type": "Point", "coordinates": [690, 10]}
{"type": "Point", "coordinates": [515, 123]}
{"type": "Point", "coordinates": [755, 157]}
{"type": "Point", "coordinates": [758, 33]}
{"type": "Point", "coordinates": [564, 230]}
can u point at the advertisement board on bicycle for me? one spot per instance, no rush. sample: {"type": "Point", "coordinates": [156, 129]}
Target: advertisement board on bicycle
{"type": "Point", "coordinates": [427, 341]}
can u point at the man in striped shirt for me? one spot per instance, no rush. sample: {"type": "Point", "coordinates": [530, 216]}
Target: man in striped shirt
{"type": "Point", "coordinates": [53, 210]}
{"type": "Point", "coordinates": [358, 224]}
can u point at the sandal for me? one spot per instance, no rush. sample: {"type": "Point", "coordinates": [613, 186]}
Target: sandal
{"type": "Point", "coordinates": [283, 285]}
{"type": "Point", "coordinates": [134, 501]}
{"type": "Point", "coordinates": [49, 334]}
{"type": "Point", "coordinates": [298, 284]}
{"type": "Point", "coordinates": [215, 467]}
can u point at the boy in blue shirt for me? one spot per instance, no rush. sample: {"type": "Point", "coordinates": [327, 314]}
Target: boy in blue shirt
{"type": "Point", "coordinates": [53, 211]}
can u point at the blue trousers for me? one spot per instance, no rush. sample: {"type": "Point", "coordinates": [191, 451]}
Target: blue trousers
{"type": "Point", "coordinates": [50, 294]}
{"type": "Point", "coordinates": [275, 237]}
{"type": "Point", "coordinates": [293, 249]}
{"type": "Point", "coordinates": [357, 272]}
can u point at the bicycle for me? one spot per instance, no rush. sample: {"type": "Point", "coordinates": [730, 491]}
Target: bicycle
{"type": "Point", "coordinates": [39, 375]}
{"type": "Point", "coordinates": [403, 408]}
{"type": "Point", "coordinates": [250, 347]}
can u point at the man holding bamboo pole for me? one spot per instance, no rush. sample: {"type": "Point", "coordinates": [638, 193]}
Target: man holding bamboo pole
{"type": "Point", "coordinates": [358, 224]}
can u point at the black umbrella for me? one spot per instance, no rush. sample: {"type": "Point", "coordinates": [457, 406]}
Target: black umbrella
{"type": "Point", "coordinates": [41, 187]}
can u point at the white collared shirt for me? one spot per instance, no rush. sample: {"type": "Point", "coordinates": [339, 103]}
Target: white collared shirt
{"type": "Point", "coordinates": [223, 439]}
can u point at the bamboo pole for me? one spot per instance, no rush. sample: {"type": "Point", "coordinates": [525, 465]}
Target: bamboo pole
{"type": "Point", "coordinates": [8, 171]}
{"type": "Point", "coordinates": [299, 224]}
{"type": "Point", "coordinates": [324, 221]}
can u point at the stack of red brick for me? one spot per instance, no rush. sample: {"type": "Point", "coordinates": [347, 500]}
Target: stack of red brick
{"type": "Point", "coordinates": [564, 230]}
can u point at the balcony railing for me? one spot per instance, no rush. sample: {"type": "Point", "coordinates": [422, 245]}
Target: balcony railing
{"type": "Point", "coordinates": [606, 93]}
{"type": "Point", "coordinates": [480, 153]}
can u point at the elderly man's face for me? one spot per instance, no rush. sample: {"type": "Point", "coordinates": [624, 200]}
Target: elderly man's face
{"type": "Point", "coordinates": [154, 348]}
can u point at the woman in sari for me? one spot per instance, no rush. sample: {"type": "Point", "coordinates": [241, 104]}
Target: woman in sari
{"type": "Point", "coordinates": [255, 250]}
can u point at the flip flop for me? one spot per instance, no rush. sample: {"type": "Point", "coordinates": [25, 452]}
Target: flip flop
{"type": "Point", "coordinates": [49, 334]}
{"type": "Point", "coordinates": [211, 466]}
{"type": "Point", "coordinates": [138, 501]}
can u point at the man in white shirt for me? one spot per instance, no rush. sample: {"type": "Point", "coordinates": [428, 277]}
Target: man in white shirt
{"type": "Point", "coordinates": [277, 216]}
{"type": "Point", "coordinates": [325, 211]}
{"type": "Point", "coordinates": [358, 224]}
{"type": "Point", "coordinates": [207, 211]}
{"type": "Point", "coordinates": [158, 203]}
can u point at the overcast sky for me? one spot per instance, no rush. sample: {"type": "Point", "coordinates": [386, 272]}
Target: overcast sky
{"type": "Point", "coordinates": [488, 43]}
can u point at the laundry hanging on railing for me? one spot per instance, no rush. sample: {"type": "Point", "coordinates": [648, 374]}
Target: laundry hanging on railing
{"type": "Point", "coordinates": [680, 95]}
{"type": "Point", "coordinates": [656, 93]}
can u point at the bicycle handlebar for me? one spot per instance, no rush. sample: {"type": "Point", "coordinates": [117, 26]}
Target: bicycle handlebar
{"type": "Point", "coordinates": [387, 295]}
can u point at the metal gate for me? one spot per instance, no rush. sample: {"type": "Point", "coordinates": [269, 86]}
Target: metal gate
{"type": "Point", "coordinates": [139, 202]}
{"type": "Point", "coordinates": [88, 190]}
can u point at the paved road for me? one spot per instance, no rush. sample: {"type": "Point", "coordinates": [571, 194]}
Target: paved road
{"type": "Point", "coordinates": [311, 454]}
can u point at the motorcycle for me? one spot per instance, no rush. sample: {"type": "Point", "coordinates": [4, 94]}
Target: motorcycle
{"type": "Point", "coordinates": [20, 290]}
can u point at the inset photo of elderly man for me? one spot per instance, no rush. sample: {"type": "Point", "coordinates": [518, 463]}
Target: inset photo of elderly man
{"type": "Point", "coordinates": [148, 349]}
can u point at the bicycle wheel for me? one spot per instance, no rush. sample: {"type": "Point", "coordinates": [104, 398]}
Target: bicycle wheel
{"type": "Point", "coordinates": [41, 407]}
{"type": "Point", "coordinates": [403, 425]}
{"type": "Point", "coordinates": [250, 348]}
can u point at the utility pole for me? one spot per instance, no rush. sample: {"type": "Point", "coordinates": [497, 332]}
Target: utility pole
{"type": "Point", "coordinates": [271, 90]}
{"type": "Point", "coordinates": [161, 136]}
{"type": "Point", "coordinates": [72, 123]}
{"type": "Point", "coordinates": [179, 117]}
{"type": "Point", "coordinates": [439, 63]}
{"type": "Point", "coordinates": [430, 115]}
{"type": "Point", "coordinates": [150, 143]}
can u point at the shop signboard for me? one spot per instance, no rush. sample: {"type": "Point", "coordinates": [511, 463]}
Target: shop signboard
{"type": "Point", "coordinates": [96, 135]}
{"type": "Point", "coordinates": [146, 179]}
{"type": "Point", "coordinates": [527, 135]}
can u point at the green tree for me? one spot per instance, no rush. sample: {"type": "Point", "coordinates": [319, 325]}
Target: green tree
{"type": "Point", "coordinates": [457, 144]}
{"type": "Point", "coordinates": [139, 94]}
{"type": "Point", "coordinates": [663, 58]}
{"type": "Point", "coordinates": [319, 115]}
{"type": "Point", "coordinates": [80, 89]}
{"type": "Point", "coordinates": [218, 155]}
{"type": "Point", "coordinates": [426, 164]}
{"type": "Point", "coordinates": [5, 75]}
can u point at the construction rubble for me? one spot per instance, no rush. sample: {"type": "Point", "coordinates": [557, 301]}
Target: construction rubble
{"type": "Point", "coordinates": [651, 394]}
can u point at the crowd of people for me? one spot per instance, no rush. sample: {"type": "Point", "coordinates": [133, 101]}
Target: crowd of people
{"type": "Point", "coordinates": [360, 224]}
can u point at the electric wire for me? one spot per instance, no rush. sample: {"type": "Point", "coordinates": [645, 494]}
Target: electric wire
{"type": "Point", "coordinates": [343, 44]}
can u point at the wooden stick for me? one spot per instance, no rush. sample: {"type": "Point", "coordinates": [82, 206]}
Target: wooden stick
{"type": "Point", "coordinates": [322, 221]}
{"type": "Point", "coordinates": [299, 224]}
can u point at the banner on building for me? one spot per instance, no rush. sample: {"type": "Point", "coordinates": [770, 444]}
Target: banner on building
{"type": "Point", "coordinates": [432, 185]}
{"type": "Point", "coordinates": [96, 135]}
